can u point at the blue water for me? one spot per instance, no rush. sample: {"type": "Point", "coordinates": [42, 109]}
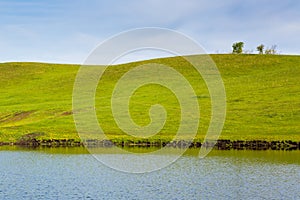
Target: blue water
{"type": "Point", "coordinates": [221, 175]}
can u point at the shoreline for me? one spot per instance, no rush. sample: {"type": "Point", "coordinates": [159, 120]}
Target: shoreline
{"type": "Point", "coordinates": [220, 145]}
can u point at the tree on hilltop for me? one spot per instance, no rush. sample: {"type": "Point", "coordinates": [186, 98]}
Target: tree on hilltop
{"type": "Point", "coordinates": [271, 50]}
{"type": "Point", "coordinates": [260, 49]}
{"type": "Point", "coordinates": [237, 47]}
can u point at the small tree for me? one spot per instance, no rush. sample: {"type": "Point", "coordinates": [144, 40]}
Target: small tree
{"type": "Point", "coordinates": [238, 47]}
{"type": "Point", "coordinates": [271, 50]}
{"type": "Point", "coordinates": [260, 49]}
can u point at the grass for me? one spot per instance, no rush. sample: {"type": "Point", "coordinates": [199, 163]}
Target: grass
{"type": "Point", "coordinates": [263, 99]}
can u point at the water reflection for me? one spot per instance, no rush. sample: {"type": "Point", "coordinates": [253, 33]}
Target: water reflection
{"type": "Point", "coordinates": [72, 173]}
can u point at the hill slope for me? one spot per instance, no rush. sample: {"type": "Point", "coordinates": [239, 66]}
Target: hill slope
{"type": "Point", "coordinates": [263, 99]}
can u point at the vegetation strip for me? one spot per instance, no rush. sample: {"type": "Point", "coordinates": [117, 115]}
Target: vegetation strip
{"type": "Point", "coordinates": [220, 145]}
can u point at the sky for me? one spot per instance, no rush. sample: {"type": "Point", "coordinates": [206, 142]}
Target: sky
{"type": "Point", "coordinates": [67, 31]}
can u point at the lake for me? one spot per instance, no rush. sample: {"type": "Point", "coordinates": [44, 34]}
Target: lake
{"type": "Point", "coordinates": [73, 173]}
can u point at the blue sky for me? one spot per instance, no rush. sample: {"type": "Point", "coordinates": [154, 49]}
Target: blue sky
{"type": "Point", "coordinates": [66, 31]}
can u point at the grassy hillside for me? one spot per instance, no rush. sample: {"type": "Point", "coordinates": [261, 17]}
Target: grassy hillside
{"type": "Point", "coordinates": [263, 98]}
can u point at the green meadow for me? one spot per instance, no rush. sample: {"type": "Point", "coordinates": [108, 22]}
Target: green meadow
{"type": "Point", "coordinates": [262, 92]}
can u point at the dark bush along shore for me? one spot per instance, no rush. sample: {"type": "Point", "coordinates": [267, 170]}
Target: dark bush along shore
{"type": "Point", "coordinates": [220, 145]}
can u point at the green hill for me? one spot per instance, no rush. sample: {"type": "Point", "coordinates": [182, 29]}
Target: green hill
{"type": "Point", "coordinates": [263, 99]}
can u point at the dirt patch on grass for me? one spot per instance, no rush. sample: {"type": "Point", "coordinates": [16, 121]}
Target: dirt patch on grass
{"type": "Point", "coordinates": [66, 113]}
{"type": "Point", "coordinates": [30, 139]}
{"type": "Point", "coordinates": [18, 116]}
